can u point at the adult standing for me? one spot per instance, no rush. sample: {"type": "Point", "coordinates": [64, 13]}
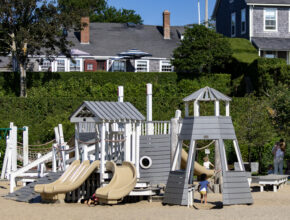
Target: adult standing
{"type": "Point", "coordinates": [279, 151]}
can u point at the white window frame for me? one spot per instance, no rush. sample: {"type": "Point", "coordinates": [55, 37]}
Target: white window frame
{"type": "Point", "coordinates": [161, 64]}
{"type": "Point", "coordinates": [243, 11]}
{"type": "Point", "coordinates": [56, 64]}
{"type": "Point", "coordinates": [90, 64]}
{"type": "Point", "coordinates": [234, 14]}
{"type": "Point", "coordinates": [125, 65]}
{"type": "Point", "coordinates": [147, 65]}
{"type": "Point", "coordinates": [71, 62]}
{"type": "Point", "coordinates": [276, 12]}
{"type": "Point", "coordinates": [40, 65]}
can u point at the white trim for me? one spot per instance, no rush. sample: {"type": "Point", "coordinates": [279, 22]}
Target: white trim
{"type": "Point", "coordinates": [264, 22]}
{"type": "Point", "coordinates": [263, 4]}
{"type": "Point", "coordinates": [243, 10]}
{"type": "Point", "coordinates": [161, 64]}
{"type": "Point", "coordinates": [289, 20]}
{"type": "Point", "coordinates": [147, 64]}
{"type": "Point", "coordinates": [234, 13]}
{"type": "Point", "coordinates": [142, 165]}
{"type": "Point", "coordinates": [251, 23]}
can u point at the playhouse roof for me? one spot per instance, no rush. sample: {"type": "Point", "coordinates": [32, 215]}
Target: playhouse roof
{"type": "Point", "coordinates": [207, 94]}
{"type": "Point", "coordinates": [91, 111]}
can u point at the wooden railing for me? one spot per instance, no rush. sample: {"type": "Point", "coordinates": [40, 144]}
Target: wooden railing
{"type": "Point", "coordinates": [155, 127]}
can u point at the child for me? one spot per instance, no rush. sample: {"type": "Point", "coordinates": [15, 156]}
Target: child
{"type": "Point", "coordinates": [270, 169]}
{"type": "Point", "coordinates": [202, 188]}
{"type": "Point", "coordinates": [207, 163]}
{"type": "Point", "coordinates": [92, 201]}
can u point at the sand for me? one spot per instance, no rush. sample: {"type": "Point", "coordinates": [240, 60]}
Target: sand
{"type": "Point", "coordinates": [267, 205]}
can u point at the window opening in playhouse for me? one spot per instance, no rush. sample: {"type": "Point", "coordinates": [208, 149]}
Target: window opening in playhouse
{"type": "Point", "coordinates": [145, 162]}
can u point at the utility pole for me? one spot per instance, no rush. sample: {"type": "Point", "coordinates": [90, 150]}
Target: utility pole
{"type": "Point", "coordinates": [198, 8]}
{"type": "Point", "coordinates": [206, 13]}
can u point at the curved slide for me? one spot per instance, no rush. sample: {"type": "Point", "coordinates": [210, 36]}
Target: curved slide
{"type": "Point", "coordinates": [122, 183]}
{"type": "Point", "coordinates": [198, 169]}
{"type": "Point", "coordinates": [71, 179]}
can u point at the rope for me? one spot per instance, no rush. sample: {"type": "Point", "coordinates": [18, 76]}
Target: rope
{"type": "Point", "coordinates": [201, 148]}
{"type": "Point", "coordinates": [38, 145]}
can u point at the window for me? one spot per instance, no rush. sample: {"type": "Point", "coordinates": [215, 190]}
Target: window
{"type": "Point", "coordinates": [118, 66]}
{"type": "Point", "coordinates": [166, 66]}
{"type": "Point", "coordinates": [270, 17]}
{"type": "Point", "coordinates": [90, 66]}
{"type": "Point", "coordinates": [101, 65]}
{"type": "Point", "coordinates": [270, 54]}
{"type": "Point", "coordinates": [141, 66]}
{"type": "Point", "coordinates": [60, 65]}
{"type": "Point", "coordinates": [46, 65]}
{"type": "Point", "coordinates": [75, 66]}
{"type": "Point", "coordinates": [233, 24]}
{"type": "Point", "coordinates": [243, 21]}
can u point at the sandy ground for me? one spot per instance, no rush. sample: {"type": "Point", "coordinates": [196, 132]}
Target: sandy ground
{"type": "Point", "coordinates": [267, 205]}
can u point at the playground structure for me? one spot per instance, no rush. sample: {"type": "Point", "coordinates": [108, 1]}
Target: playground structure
{"type": "Point", "coordinates": [134, 157]}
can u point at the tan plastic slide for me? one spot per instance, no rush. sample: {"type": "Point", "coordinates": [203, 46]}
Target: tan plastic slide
{"type": "Point", "coordinates": [122, 183]}
{"type": "Point", "coordinates": [198, 169]}
{"type": "Point", "coordinates": [71, 179]}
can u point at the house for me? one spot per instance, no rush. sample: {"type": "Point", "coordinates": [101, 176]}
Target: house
{"type": "Point", "coordinates": [97, 46]}
{"type": "Point", "coordinates": [266, 23]}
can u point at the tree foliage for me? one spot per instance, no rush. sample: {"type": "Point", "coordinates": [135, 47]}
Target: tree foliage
{"type": "Point", "coordinates": [33, 27]}
{"type": "Point", "coordinates": [201, 50]}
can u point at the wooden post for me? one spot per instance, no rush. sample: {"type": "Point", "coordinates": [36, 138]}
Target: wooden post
{"type": "Point", "coordinates": [239, 155]}
{"type": "Point", "coordinates": [97, 145]}
{"type": "Point", "coordinates": [103, 145]}
{"type": "Point", "coordinates": [62, 145]}
{"type": "Point", "coordinates": [54, 152]}
{"type": "Point", "coordinates": [127, 147]}
{"type": "Point", "coordinates": [137, 152]}
{"type": "Point", "coordinates": [227, 108]}
{"type": "Point", "coordinates": [218, 167]}
{"type": "Point", "coordinates": [120, 93]}
{"type": "Point", "coordinates": [150, 128]}
{"type": "Point", "coordinates": [39, 165]}
{"type": "Point", "coordinates": [25, 146]}
{"type": "Point", "coordinates": [133, 144]}
{"type": "Point", "coordinates": [196, 108]}
{"type": "Point", "coordinates": [190, 158]}
{"type": "Point", "coordinates": [174, 132]}
{"type": "Point", "coordinates": [85, 152]}
{"type": "Point", "coordinates": [186, 109]}
{"type": "Point", "coordinates": [6, 158]}
{"type": "Point", "coordinates": [77, 152]}
{"type": "Point", "coordinates": [217, 108]}
{"type": "Point", "coordinates": [14, 148]}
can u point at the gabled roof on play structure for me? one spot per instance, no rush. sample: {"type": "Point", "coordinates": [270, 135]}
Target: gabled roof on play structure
{"type": "Point", "coordinates": [91, 111]}
{"type": "Point", "coordinates": [207, 94]}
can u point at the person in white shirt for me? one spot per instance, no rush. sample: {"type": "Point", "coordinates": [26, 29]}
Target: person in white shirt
{"type": "Point", "coordinates": [207, 163]}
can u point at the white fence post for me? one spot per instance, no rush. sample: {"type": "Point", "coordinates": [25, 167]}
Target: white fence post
{"type": "Point", "coordinates": [150, 128]}
{"type": "Point", "coordinates": [54, 152]}
{"type": "Point", "coordinates": [14, 148]}
{"type": "Point", "coordinates": [120, 93]}
{"type": "Point", "coordinates": [25, 146]}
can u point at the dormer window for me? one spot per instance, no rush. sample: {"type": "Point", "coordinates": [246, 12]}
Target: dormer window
{"type": "Point", "coordinates": [270, 19]}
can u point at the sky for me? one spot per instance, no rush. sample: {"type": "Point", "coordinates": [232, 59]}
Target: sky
{"type": "Point", "coordinates": [182, 11]}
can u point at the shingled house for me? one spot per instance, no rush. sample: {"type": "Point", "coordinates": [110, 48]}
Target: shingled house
{"type": "Point", "coordinates": [266, 23]}
{"type": "Point", "coordinates": [97, 46]}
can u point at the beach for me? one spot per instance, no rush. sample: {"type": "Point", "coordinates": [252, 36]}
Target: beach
{"type": "Point", "coordinates": [267, 205]}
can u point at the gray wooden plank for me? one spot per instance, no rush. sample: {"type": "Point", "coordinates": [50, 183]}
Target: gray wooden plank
{"type": "Point", "coordinates": [235, 174]}
{"type": "Point", "coordinates": [236, 179]}
{"type": "Point", "coordinates": [236, 190]}
{"type": "Point", "coordinates": [237, 201]}
{"type": "Point", "coordinates": [236, 185]}
{"type": "Point", "coordinates": [237, 196]}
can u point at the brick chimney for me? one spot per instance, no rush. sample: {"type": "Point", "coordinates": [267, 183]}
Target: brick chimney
{"type": "Point", "coordinates": [166, 25]}
{"type": "Point", "coordinates": [85, 32]}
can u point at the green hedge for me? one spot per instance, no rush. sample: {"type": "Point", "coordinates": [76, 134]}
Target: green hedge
{"type": "Point", "coordinates": [267, 73]}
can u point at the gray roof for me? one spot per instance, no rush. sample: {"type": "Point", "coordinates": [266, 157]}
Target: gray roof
{"type": "Point", "coordinates": [107, 111]}
{"type": "Point", "coordinates": [207, 94]}
{"type": "Point", "coordinates": [282, 44]}
{"type": "Point", "coordinates": [110, 39]}
{"type": "Point", "coordinates": [286, 2]}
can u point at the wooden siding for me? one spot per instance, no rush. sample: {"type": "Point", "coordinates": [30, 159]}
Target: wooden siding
{"type": "Point", "coordinates": [236, 188]}
{"type": "Point", "coordinates": [207, 128]}
{"type": "Point", "coordinates": [156, 147]}
{"type": "Point", "coordinates": [176, 191]}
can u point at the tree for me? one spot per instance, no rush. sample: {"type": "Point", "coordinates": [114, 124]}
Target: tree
{"type": "Point", "coordinates": [253, 126]}
{"type": "Point", "coordinates": [33, 27]}
{"type": "Point", "coordinates": [100, 11]}
{"type": "Point", "coordinates": [201, 49]}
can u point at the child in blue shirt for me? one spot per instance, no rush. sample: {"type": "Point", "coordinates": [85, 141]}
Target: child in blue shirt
{"type": "Point", "coordinates": [202, 188]}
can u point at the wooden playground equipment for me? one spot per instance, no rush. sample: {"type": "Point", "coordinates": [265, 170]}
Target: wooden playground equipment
{"type": "Point", "coordinates": [117, 154]}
